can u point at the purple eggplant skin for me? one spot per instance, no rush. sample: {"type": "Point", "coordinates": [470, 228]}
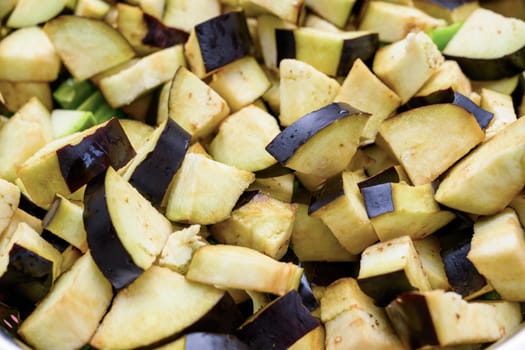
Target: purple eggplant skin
{"type": "Point", "coordinates": [285, 44]}
{"type": "Point", "coordinates": [518, 95]}
{"type": "Point", "coordinates": [159, 35]}
{"type": "Point", "coordinates": [483, 117]}
{"type": "Point", "coordinates": [450, 4]}
{"type": "Point", "coordinates": [390, 174]}
{"type": "Point", "coordinates": [154, 174]}
{"type": "Point", "coordinates": [323, 273]}
{"type": "Point", "coordinates": [331, 190]}
{"type": "Point", "coordinates": [28, 276]}
{"type": "Point", "coordinates": [436, 97]}
{"type": "Point", "coordinates": [286, 143]}
{"type": "Point", "coordinates": [279, 325]}
{"type": "Point", "coordinates": [107, 146]}
{"type": "Point", "coordinates": [223, 39]}
{"type": "Point", "coordinates": [106, 248]}
{"type": "Point", "coordinates": [378, 199]}
{"type": "Point", "coordinates": [363, 47]}
{"type": "Point", "coordinates": [385, 288]}
{"type": "Point", "coordinates": [213, 341]}
{"type": "Point", "coordinates": [454, 239]}
{"type": "Point", "coordinates": [492, 68]}
{"type": "Point", "coordinates": [411, 319]}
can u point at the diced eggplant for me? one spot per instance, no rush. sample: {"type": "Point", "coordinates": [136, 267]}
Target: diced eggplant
{"type": "Point", "coordinates": [27, 54]}
{"type": "Point", "coordinates": [30, 123]}
{"type": "Point", "coordinates": [308, 144]}
{"type": "Point", "coordinates": [69, 315]}
{"type": "Point", "coordinates": [110, 220]}
{"type": "Point", "coordinates": [90, 8]}
{"type": "Point", "coordinates": [502, 108]}
{"type": "Point", "coordinates": [288, 10]}
{"type": "Point", "coordinates": [463, 277]}
{"type": "Point", "coordinates": [266, 26]}
{"type": "Point", "coordinates": [407, 64]}
{"type": "Point", "coordinates": [429, 250]}
{"type": "Point", "coordinates": [197, 197]}
{"type": "Point", "coordinates": [363, 90]}
{"type": "Point", "coordinates": [206, 341]}
{"type": "Point", "coordinates": [218, 41]}
{"type": "Point", "coordinates": [330, 53]}
{"type": "Point", "coordinates": [352, 321]}
{"type": "Point", "coordinates": [448, 75]}
{"type": "Point", "coordinates": [241, 139]}
{"type": "Point", "coordinates": [392, 22]}
{"type": "Point", "coordinates": [73, 36]}
{"type": "Point", "coordinates": [29, 266]}
{"type": "Point", "coordinates": [262, 223]}
{"type": "Point", "coordinates": [409, 137]}
{"type": "Point", "coordinates": [439, 318]}
{"type": "Point", "coordinates": [404, 210]}
{"type": "Point", "coordinates": [16, 94]}
{"type": "Point", "coordinates": [159, 306]}
{"type": "Point", "coordinates": [194, 105]}
{"type": "Point", "coordinates": [277, 181]}
{"type": "Point", "coordinates": [158, 161]}
{"type": "Point", "coordinates": [219, 265]}
{"type": "Point", "coordinates": [340, 206]}
{"type": "Point", "coordinates": [180, 247]}
{"type": "Point", "coordinates": [279, 324]}
{"type": "Point", "coordinates": [498, 244]}
{"type": "Point", "coordinates": [390, 268]}
{"type": "Point", "coordinates": [160, 35]}
{"type": "Point", "coordinates": [32, 12]}
{"type": "Point", "coordinates": [337, 12]}
{"type": "Point", "coordinates": [489, 46]}
{"type": "Point", "coordinates": [159, 67]}
{"type": "Point", "coordinates": [64, 219]}
{"type": "Point", "coordinates": [312, 240]}
{"type": "Point", "coordinates": [302, 89]}
{"type": "Point", "coordinates": [106, 146]}
{"type": "Point", "coordinates": [452, 11]}
{"type": "Point", "coordinates": [185, 14]}
{"type": "Point", "coordinates": [487, 179]}
{"type": "Point", "coordinates": [9, 199]}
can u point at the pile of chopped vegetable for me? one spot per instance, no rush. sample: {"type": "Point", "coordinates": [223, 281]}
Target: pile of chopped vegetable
{"type": "Point", "coordinates": [250, 174]}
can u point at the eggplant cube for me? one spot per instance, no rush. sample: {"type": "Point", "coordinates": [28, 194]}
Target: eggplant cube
{"type": "Point", "coordinates": [336, 12]}
{"type": "Point", "coordinates": [487, 179]}
{"type": "Point", "coordinates": [501, 106]}
{"type": "Point", "coordinates": [160, 305]}
{"type": "Point", "coordinates": [180, 247]}
{"type": "Point", "coordinates": [263, 223]}
{"type": "Point", "coordinates": [27, 54]}
{"type": "Point", "coordinates": [429, 249]}
{"type": "Point", "coordinates": [448, 75]}
{"type": "Point", "coordinates": [242, 138]}
{"type": "Point", "coordinates": [263, 331]}
{"type": "Point", "coordinates": [218, 41]}
{"type": "Point", "coordinates": [363, 90]}
{"type": "Point", "coordinates": [71, 312]}
{"type": "Point", "coordinates": [498, 252]}
{"type": "Point", "coordinates": [312, 240]}
{"type": "Point", "coordinates": [407, 64]}
{"type": "Point", "coordinates": [205, 191]}
{"type": "Point", "coordinates": [302, 89]}
{"type": "Point", "coordinates": [148, 73]}
{"type": "Point", "coordinates": [205, 341]}
{"type": "Point", "coordinates": [416, 213]}
{"type": "Point", "coordinates": [410, 137]}
{"type": "Point", "coordinates": [342, 209]}
{"type": "Point", "coordinates": [321, 143]}
{"type": "Point", "coordinates": [287, 10]}
{"type": "Point", "coordinates": [352, 321]}
{"type": "Point", "coordinates": [390, 268]}
{"type": "Point", "coordinates": [194, 105]}
{"type": "Point", "coordinates": [439, 318]}
{"type": "Point", "coordinates": [241, 82]}
{"type": "Point", "coordinates": [185, 14]}
{"type": "Point", "coordinates": [73, 36]}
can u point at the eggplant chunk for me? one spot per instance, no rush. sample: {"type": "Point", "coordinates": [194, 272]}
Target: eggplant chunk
{"type": "Point", "coordinates": [439, 318]}
{"type": "Point", "coordinates": [206, 341]}
{"type": "Point", "coordinates": [487, 179]}
{"type": "Point", "coordinates": [158, 306]}
{"type": "Point", "coordinates": [352, 320]}
{"type": "Point", "coordinates": [410, 137]}
{"type": "Point", "coordinates": [73, 36]}
{"type": "Point", "coordinates": [279, 324]}
{"type": "Point", "coordinates": [158, 160]}
{"type": "Point", "coordinates": [498, 244]}
{"type": "Point", "coordinates": [9, 199]}
{"type": "Point", "coordinates": [489, 46]}
{"type": "Point", "coordinates": [70, 313]}
{"type": "Point", "coordinates": [111, 220]}
{"type": "Point", "coordinates": [322, 142]}
{"type": "Point", "coordinates": [390, 268]}
{"type": "Point", "coordinates": [219, 265]}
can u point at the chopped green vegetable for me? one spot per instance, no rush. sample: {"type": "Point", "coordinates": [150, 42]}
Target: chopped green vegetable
{"type": "Point", "coordinates": [441, 36]}
{"type": "Point", "coordinates": [72, 93]}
